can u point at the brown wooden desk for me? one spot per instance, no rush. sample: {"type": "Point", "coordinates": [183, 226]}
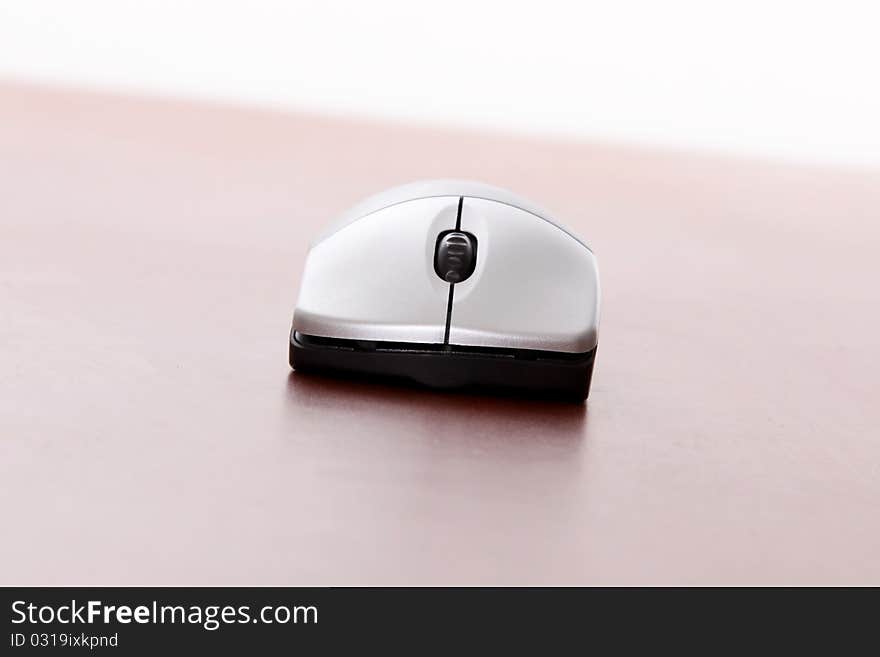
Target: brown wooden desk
{"type": "Point", "coordinates": [151, 431]}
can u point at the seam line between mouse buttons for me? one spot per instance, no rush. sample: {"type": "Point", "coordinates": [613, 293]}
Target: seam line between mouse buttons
{"type": "Point", "coordinates": [452, 285]}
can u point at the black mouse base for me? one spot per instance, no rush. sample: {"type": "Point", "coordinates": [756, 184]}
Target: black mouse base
{"type": "Point", "coordinates": [518, 371]}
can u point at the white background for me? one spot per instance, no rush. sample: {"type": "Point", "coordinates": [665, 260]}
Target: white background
{"type": "Point", "coordinates": [795, 80]}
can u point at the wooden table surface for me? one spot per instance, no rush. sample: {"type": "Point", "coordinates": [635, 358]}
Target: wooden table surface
{"type": "Point", "coordinates": [151, 431]}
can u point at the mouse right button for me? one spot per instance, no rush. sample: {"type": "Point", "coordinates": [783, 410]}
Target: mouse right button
{"type": "Point", "coordinates": [535, 286]}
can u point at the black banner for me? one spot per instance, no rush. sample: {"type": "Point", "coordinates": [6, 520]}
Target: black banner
{"type": "Point", "coordinates": [148, 620]}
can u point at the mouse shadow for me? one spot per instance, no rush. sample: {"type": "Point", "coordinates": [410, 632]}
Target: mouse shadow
{"type": "Point", "coordinates": [470, 419]}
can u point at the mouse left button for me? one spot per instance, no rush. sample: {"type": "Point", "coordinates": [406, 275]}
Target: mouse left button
{"type": "Point", "coordinates": [374, 278]}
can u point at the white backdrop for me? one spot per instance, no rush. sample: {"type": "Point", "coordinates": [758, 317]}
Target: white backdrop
{"type": "Point", "coordinates": [772, 78]}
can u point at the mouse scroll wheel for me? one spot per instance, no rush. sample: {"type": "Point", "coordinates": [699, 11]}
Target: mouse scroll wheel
{"type": "Point", "coordinates": [455, 256]}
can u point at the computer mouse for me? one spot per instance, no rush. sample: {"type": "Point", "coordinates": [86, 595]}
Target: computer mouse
{"type": "Point", "coordinates": [450, 284]}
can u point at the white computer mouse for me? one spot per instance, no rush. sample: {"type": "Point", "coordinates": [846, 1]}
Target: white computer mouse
{"type": "Point", "coordinates": [450, 284]}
